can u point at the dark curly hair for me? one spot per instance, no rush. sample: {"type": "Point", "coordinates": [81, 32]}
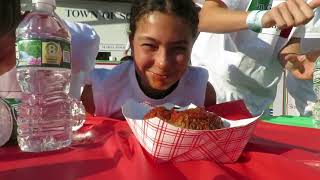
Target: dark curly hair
{"type": "Point", "coordinates": [9, 15]}
{"type": "Point", "coordinates": [184, 9]}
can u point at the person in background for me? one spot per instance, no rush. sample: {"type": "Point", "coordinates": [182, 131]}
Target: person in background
{"type": "Point", "coordinates": [242, 46]}
{"type": "Point", "coordinates": [305, 51]}
{"type": "Point", "coordinates": [85, 43]}
{"type": "Point", "coordinates": [161, 37]}
{"type": "Point", "coordinates": [85, 47]}
{"type": "Point", "coordinates": [301, 90]}
{"type": "Point", "coordinates": [9, 19]}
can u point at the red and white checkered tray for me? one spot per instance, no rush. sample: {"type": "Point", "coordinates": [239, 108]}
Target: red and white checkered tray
{"type": "Point", "coordinates": [166, 142]}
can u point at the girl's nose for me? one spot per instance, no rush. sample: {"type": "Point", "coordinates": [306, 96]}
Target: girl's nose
{"type": "Point", "coordinates": [162, 59]}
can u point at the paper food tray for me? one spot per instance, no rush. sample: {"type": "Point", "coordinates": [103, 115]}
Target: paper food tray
{"type": "Point", "coordinates": [166, 142]}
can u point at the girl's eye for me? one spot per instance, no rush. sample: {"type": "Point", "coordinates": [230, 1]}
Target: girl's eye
{"type": "Point", "coordinates": [180, 48]}
{"type": "Point", "coordinates": [149, 46]}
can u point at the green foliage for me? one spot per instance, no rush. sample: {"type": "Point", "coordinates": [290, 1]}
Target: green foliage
{"type": "Point", "coordinates": [32, 47]}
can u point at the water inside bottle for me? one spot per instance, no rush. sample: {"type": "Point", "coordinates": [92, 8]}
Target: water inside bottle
{"type": "Point", "coordinates": [44, 121]}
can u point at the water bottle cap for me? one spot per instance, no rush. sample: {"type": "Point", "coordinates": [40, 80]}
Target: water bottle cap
{"type": "Point", "coordinates": [51, 2]}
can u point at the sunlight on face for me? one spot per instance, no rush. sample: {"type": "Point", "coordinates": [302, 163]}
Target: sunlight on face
{"type": "Point", "coordinates": [162, 45]}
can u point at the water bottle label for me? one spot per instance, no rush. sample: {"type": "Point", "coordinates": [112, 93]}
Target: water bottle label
{"type": "Point", "coordinates": [317, 64]}
{"type": "Point", "coordinates": [43, 53]}
{"type": "Point", "coordinates": [11, 106]}
{"type": "Point", "coordinates": [316, 73]}
{"type": "Point", "coordinates": [316, 78]}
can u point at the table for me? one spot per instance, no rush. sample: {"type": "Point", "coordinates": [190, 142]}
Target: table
{"type": "Point", "coordinates": [274, 152]}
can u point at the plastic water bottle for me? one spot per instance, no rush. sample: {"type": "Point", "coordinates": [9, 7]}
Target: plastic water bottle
{"type": "Point", "coordinates": [43, 72]}
{"type": "Point", "coordinates": [78, 113]}
{"type": "Point", "coordinates": [316, 89]}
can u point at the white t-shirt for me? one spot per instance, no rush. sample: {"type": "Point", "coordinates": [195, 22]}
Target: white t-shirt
{"type": "Point", "coordinates": [112, 88]}
{"type": "Point", "coordinates": [242, 65]}
{"type": "Point", "coordinates": [85, 47]}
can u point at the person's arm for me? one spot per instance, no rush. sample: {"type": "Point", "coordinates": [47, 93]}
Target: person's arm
{"type": "Point", "coordinates": [87, 99]}
{"type": "Point", "coordinates": [216, 17]}
{"type": "Point", "coordinates": [291, 48]}
{"type": "Point", "coordinates": [300, 65]}
{"type": "Point", "coordinates": [210, 98]}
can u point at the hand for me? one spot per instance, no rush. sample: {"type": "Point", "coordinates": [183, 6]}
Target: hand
{"type": "Point", "coordinates": [301, 66]}
{"type": "Point", "coordinates": [290, 13]}
{"type": "Point", "coordinates": [314, 4]}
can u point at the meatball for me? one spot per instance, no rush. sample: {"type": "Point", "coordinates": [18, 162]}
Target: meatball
{"type": "Point", "coordinates": [196, 119]}
{"type": "Point", "coordinates": [160, 112]}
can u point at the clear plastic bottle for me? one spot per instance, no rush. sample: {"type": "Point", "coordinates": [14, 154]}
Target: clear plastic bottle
{"type": "Point", "coordinates": [316, 89]}
{"type": "Point", "coordinates": [43, 72]}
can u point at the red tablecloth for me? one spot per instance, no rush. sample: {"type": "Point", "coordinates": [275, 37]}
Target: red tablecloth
{"type": "Point", "coordinates": [274, 152]}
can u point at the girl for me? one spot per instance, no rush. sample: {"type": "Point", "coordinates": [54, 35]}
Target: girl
{"type": "Point", "coordinates": [161, 37]}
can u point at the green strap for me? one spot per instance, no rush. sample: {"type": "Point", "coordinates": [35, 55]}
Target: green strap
{"type": "Point", "coordinates": [290, 120]}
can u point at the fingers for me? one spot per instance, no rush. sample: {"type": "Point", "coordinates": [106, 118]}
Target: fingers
{"type": "Point", "coordinates": [286, 15]}
{"type": "Point", "coordinates": [291, 61]}
{"type": "Point", "coordinates": [302, 74]}
{"type": "Point", "coordinates": [306, 11]}
{"type": "Point", "coordinates": [295, 62]}
{"type": "Point", "coordinates": [289, 13]}
{"type": "Point", "coordinates": [280, 15]}
{"type": "Point", "coordinates": [300, 11]}
{"type": "Point", "coordinates": [302, 58]}
{"type": "Point", "coordinates": [314, 4]}
{"type": "Point", "coordinates": [299, 66]}
{"type": "Point", "coordinates": [289, 65]}
{"type": "Point", "coordinates": [292, 57]}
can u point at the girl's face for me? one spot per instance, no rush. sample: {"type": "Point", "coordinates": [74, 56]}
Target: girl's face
{"type": "Point", "coordinates": [161, 49]}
